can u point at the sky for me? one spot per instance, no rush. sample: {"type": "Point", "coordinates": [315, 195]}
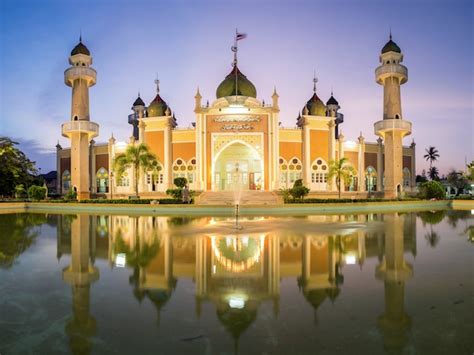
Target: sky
{"type": "Point", "coordinates": [187, 44]}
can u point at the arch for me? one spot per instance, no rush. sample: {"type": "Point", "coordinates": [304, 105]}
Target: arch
{"type": "Point", "coordinates": [406, 177]}
{"type": "Point", "coordinates": [102, 180]}
{"type": "Point", "coordinates": [254, 180]}
{"type": "Point", "coordinates": [179, 168]}
{"type": "Point", "coordinates": [191, 170]}
{"type": "Point", "coordinates": [319, 174]}
{"type": "Point", "coordinates": [283, 165]}
{"type": "Point", "coordinates": [370, 179]}
{"type": "Point", "coordinates": [66, 181]}
{"type": "Point", "coordinates": [353, 181]}
{"type": "Point", "coordinates": [295, 168]}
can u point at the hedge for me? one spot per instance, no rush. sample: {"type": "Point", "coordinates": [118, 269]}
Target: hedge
{"type": "Point", "coordinates": [347, 200]}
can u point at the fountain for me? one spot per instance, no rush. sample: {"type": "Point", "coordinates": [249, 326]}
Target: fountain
{"type": "Point", "coordinates": [237, 187]}
{"type": "Point", "coordinates": [237, 226]}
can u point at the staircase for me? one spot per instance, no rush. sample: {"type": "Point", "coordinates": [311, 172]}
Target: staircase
{"type": "Point", "coordinates": [228, 198]}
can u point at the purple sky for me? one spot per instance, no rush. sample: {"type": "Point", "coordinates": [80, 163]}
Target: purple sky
{"type": "Point", "coordinates": [187, 43]}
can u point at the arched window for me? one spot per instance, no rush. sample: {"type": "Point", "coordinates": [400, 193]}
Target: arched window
{"type": "Point", "coordinates": [179, 169]}
{"type": "Point", "coordinates": [66, 181]}
{"type": "Point", "coordinates": [294, 170]}
{"type": "Point", "coordinates": [124, 180]}
{"type": "Point", "coordinates": [319, 174]}
{"type": "Point", "coordinates": [351, 185]}
{"type": "Point", "coordinates": [155, 177]}
{"type": "Point", "coordinates": [406, 177]}
{"type": "Point", "coordinates": [370, 179]}
{"type": "Point", "coordinates": [283, 173]}
{"type": "Point", "coordinates": [102, 178]}
{"type": "Point", "coordinates": [191, 170]}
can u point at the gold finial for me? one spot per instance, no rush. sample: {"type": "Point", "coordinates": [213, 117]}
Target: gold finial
{"type": "Point", "coordinates": [315, 80]}
{"type": "Point", "coordinates": [157, 82]}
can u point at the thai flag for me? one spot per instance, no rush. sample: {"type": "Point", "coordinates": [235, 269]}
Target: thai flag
{"type": "Point", "coordinates": [239, 36]}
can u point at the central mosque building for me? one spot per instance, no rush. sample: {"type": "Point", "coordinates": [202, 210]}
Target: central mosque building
{"type": "Point", "coordinates": [238, 138]}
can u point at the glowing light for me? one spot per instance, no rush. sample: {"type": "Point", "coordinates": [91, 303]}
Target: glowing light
{"type": "Point", "coordinates": [214, 269]}
{"type": "Point", "coordinates": [350, 144]}
{"type": "Point", "coordinates": [350, 259]}
{"type": "Point", "coordinates": [236, 302]}
{"type": "Point", "coordinates": [120, 260]}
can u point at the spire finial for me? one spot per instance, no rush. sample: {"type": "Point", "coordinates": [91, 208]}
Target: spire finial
{"type": "Point", "coordinates": [138, 93]}
{"type": "Point", "coordinates": [157, 82]}
{"type": "Point", "coordinates": [234, 49]}
{"type": "Point", "coordinates": [332, 94]}
{"type": "Point", "coordinates": [80, 35]}
{"type": "Point", "coordinates": [315, 80]}
{"type": "Point", "coordinates": [390, 33]}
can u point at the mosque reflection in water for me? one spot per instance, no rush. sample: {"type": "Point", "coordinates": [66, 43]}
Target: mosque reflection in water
{"type": "Point", "coordinates": [236, 271]}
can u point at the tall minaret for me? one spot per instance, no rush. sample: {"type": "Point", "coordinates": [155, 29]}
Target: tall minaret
{"type": "Point", "coordinates": [80, 130]}
{"type": "Point", "coordinates": [391, 74]}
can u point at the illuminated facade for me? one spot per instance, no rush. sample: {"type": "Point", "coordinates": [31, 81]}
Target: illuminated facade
{"type": "Point", "coordinates": [237, 140]}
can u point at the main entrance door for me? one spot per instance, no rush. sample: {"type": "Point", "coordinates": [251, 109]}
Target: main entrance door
{"type": "Point", "coordinates": [238, 167]}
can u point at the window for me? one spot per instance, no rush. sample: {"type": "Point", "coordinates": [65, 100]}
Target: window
{"type": "Point", "coordinates": [102, 179]}
{"type": "Point", "coordinates": [370, 179]}
{"type": "Point", "coordinates": [66, 180]}
{"type": "Point", "coordinates": [319, 174]}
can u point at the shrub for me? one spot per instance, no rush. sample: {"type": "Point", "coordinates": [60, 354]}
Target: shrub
{"type": "Point", "coordinates": [299, 192]}
{"type": "Point", "coordinates": [180, 182]}
{"type": "Point", "coordinates": [20, 191]}
{"type": "Point", "coordinates": [175, 193]}
{"type": "Point", "coordinates": [70, 195]}
{"type": "Point", "coordinates": [37, 193]}
{"type": "Point", "coordinates": [432, 189]}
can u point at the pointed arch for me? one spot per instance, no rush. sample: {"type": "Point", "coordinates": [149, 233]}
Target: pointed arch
{"type": "Point", "coordinates": [319, 174]}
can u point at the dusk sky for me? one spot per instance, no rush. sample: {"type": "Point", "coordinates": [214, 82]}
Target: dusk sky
{"type": "Point", "coordinates": [187, 44]}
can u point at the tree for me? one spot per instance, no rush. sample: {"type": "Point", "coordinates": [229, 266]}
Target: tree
{"type": "Point", "coordinates": [433, 173]}
{"type": "Point", "coordinates": [431, 155]}
{"type": "Point", "coordinates": [136, 156]}
{"type": "Point", "coordinates": [432, 189]}
{"type": "Point", "coordinates": [15, 167]}
{"type": "Point", "coordinates": [342, 171]}
{"type": "Point", "coordinates": [457, 180]}
{"type": "Point", "coordinates": [470, 171]}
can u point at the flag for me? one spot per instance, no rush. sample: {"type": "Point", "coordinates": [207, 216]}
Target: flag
{"type": "Point", "coordinates": [239, 36]}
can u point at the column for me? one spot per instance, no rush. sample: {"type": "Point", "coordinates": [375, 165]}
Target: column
{"type": "Point", "coordinates": [341, 155]}
{"type": "Point", "coordinates": [380, 167]}
{"type": "Point", "coordinates": [332, 151]}
{"type": "Point", "coordinates": [306, 152]}
{"type": "Point", "coordinates": [361, 167]}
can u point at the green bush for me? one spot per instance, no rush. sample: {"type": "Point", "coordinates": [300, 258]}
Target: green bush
{"type": "Point", "coordinates": [162, 201]}
{"type": "Point", "coordinates": [20, 191]}
{"type": "Point", "coordinates": [298, 183]}
{"type": "Point", "coordinates": [346, 200]}
{"type": "Point", "coordinates": [299, 192]}
{"type": "Point", "coordinates": [37, 193]}
{"type": "Point", "coordinates": [180, 182]}
{"type": "Point", "coordinates": [175, 193]}
{"type": "Point", "coordinates": [432, 189]}
{"type": "Point", "coordinates": [70, 195]}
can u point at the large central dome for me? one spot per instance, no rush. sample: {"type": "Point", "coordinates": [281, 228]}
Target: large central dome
{"type": "Point", "coordinates": [229, 87]}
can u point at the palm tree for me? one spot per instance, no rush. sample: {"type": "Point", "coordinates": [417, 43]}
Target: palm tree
{"type": "Point", "coordinates": [433, 173]}
{"type": "Point", "coordinates": [340, 169]}
{"type": "Point", "coordinates": [431, 155]}
{"type": "Point", "coordinates": [137, 156]}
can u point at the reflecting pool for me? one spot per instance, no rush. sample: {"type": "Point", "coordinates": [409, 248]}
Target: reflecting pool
{"type": "Point", "coordinates": [348, 284]}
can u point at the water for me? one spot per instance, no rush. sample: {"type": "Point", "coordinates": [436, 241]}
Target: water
{"type": "Point", "coordinates": [347, 284]}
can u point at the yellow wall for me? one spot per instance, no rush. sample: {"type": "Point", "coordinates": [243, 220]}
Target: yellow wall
{"type": "Point", "coordinates": [184, 151]}
{"type": "Point", "coordinates": [289, 150]}
{"type": "Point", "coordinates": [155, 141]}
{"type": "Point", "coordinates": [319, 144]}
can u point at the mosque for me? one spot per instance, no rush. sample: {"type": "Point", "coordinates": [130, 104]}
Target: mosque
{"type": "Point", "coordinates": [238, 138]}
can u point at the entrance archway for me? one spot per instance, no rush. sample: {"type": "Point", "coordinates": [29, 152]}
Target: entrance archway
{"type": "Point", "coordinates": [237, 165]}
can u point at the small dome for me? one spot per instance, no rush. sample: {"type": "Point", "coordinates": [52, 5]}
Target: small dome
{"type": "Point", "coordinates": [138, 102]}
{"type": "Point", "coordinates": [228, 87]}
{"type": "Point", "coordinates": [332, 101]}
{"type": "Point", "coordinates": [315, 106]}
{"type": "Point", "coordinates": [391, 46]}
{"type": "Point", "coordinates": [80, 49]}
{"type": "Point", "coordinates": [157, 107]}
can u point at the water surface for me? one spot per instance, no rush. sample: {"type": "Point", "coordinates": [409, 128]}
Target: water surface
{"type": "Point", "coordinates": [367, 283]}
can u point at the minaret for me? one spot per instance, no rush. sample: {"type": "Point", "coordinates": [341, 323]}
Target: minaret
{"type": "Point", "coordinates": [394, 271]}
{"type": "Point", "coordinates": [80, 130]}
{"type": "Point", "coordinates": [391, 74]}
{"type": "Point", "coordinates": [138, 108]}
